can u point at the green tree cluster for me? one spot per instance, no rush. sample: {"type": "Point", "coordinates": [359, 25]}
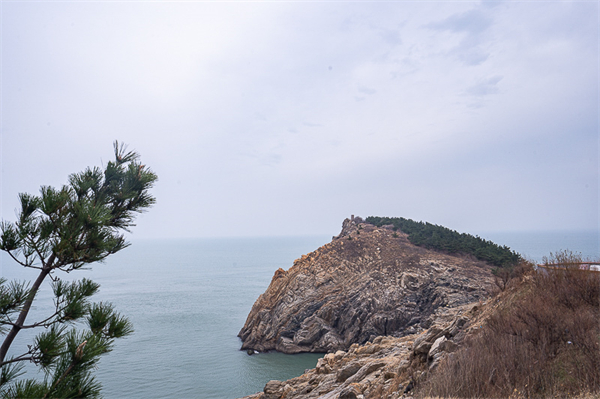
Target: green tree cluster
{"type": "Point", "coordinates": [62, 230]}
{"type": "Point", "coordinates": [441, 238]}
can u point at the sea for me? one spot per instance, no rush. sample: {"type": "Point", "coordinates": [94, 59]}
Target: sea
{"type": "Point", "coordinates": [189, 298]}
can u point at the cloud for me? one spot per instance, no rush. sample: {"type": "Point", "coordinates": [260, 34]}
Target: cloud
{"type": "Point", "coordinates": [484, 87]}
{"type": "Point", "coordinates": [390, 36]}
{"type": "Point", "coordinates": [366, 90]}
{"type": "Point", "coordinates": [266, 111]}
{"type": "Point", "coordinates": [470, 52]}
{"type": "Point", "coordinates": [472, 24]}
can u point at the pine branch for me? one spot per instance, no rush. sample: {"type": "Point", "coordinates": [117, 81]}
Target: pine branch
{"type": "Point", "coordinates": [78, 355]}
{"type": "Point", "coordinates": [21, 358]}
{"type": "Point", "coordinates": [18, 261]}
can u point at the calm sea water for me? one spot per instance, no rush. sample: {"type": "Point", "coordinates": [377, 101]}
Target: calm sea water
{"type": "Point", "coordinates": [188, 299]}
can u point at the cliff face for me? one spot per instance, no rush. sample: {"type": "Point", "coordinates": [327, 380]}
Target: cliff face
{"type": "Point", "coordinates": [366, 283]}
{"type": "Point", "coordinates": [386, 368]}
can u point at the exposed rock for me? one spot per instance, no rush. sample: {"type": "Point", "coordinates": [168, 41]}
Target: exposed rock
{"type": "Point", "coordinates": [350, 393]}
{"type": "Point", "coordinates": [442, 344]}
{"type": "Point", "coordinates": [367, 282]}
{"type": "Point", "coordinates": [348, 371]}
{"type": "Point", "coordinates": [387, 312]}
{"type": "Point", "coordinates": [386, 368]}
{"type": "Point", "coordinates": [437, 346]}
{"type": "Point", "coordinates": [273, 389]}
{"type": "Point", "coordinates": [424, 342]}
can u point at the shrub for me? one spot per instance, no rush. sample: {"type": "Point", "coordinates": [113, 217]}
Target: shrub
{"type": "Point", "coordinates": [441, 238]}
{"type": "Point", "coordinates": [544, 343]}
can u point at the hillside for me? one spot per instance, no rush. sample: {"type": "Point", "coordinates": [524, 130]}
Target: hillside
{"type": "Point", "coordinates": [535, 335]}
{"type": "Point", "coordinates": [368, 281]}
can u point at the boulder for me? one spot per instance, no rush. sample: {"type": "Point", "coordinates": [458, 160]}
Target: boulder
{"type": "Point", "coordinates": [442, 344]}
{"type": "Point", "coordinates": [365, 371]}
{"type": "Point", "coordinates": [424, 342]}
{"type": "Point", "coordinates": [348, 371]}
{"type": "Point", "coordinates": [273, 389]}
{"type": "Point", "coordinates": [437, 346]}
{"type": "Point", "coordinates": [349, 393]}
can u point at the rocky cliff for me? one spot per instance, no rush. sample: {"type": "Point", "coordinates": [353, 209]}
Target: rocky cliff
{"type": "Point", "coordinates": [366, 282]}
{"type": "Point", "coordinates": [387, 368]}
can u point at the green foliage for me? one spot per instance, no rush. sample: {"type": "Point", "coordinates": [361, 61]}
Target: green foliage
{"type": "Point", "coordinates": [443, 239]}
{"type": "Point", "coordinates": [102, 320]}
{"type": "Point", "coordinates": [64, 230]}
{"type": "Point", "coordinates": [12, 298]}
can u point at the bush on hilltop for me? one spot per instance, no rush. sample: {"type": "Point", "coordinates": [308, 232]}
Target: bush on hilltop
{"type": "Point", "coordinates": [441, 238]}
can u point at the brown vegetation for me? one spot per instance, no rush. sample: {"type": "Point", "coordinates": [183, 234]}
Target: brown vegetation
{"type": "Point", "coordinates": [544, 341]}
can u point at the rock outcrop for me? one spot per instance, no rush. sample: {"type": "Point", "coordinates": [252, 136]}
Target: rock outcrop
{"type": "Point", "coordinates": [387, 368]}
{"type": "Point", "coordinates": [367, 282]}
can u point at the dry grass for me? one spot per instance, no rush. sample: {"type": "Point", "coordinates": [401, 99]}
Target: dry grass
{"type": "Point", "coordinates": [544, 343]}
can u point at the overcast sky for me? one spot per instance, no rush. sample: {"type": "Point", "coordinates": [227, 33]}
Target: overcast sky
{"type": "Point", "coordinates": [283, 118]}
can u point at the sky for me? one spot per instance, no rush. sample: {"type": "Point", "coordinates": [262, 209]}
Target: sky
{"type": "Point", "coordinates": [269, 118]}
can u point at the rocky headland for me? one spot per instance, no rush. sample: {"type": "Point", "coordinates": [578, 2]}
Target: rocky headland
{"type": "Point", "coordinates": [394, 317]}
{"type": "Point", "coordinates": [367, 282]}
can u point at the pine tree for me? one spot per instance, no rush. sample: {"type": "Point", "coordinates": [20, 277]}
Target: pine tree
{"type": "Point", "coordinates": [63, 230]}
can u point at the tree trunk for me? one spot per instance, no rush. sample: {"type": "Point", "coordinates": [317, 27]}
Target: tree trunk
{"type": "Point", "coordinates": [23, 315]}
